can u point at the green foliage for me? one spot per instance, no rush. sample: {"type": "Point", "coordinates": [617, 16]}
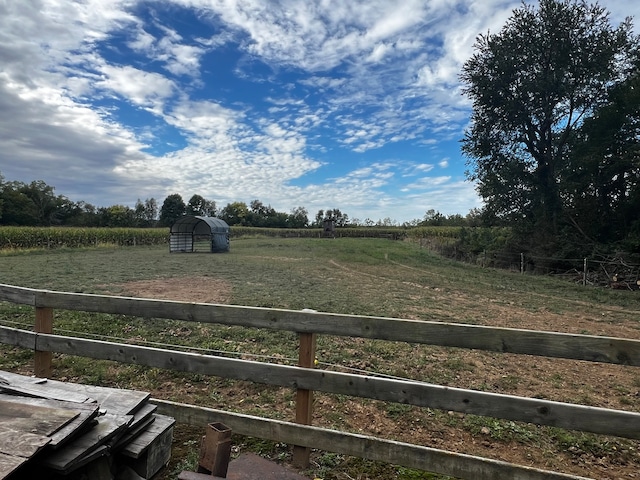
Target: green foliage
{"type": "Point", "coordinates": [200, 206]}
{"type": "Point", "coordinates": [532, 85]}
{"type": "Point", "coordinates": [235, 213]}
{"type": "Point", "coordinates": [602, 178]}
{"type": "Point", "coordinates": [172, 208]}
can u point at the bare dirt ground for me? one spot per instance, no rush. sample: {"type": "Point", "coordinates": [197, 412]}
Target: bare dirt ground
{"type": "Point", "coordinates": [560, 380]}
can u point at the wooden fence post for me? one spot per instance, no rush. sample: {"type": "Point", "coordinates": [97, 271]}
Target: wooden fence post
{"type": "Point", "coordinates": [304, 398]}
{"type": "Point", "coordinates": [44, 324]}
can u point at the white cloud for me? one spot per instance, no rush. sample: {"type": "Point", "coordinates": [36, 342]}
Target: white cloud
{"type": "Point", "coordinates": [367, 74]}
{"type": "Point", "coordinates": [145, 89]}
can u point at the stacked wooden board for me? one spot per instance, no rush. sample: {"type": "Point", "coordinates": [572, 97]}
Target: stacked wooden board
{"type": "Point", "coordinates": [52, 429]}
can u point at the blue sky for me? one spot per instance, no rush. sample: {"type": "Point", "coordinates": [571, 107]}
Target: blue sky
{"type": "Point", "coordinates": [323, 104]}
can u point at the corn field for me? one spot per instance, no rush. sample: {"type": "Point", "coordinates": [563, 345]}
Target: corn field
{"type": "Point", "coordinates": [21, 238]}
{"type": "Point", "coordinates": [24, 238]}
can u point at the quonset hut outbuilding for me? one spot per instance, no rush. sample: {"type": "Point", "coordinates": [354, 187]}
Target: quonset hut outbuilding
{"type": "Point", "coordinates": [199, 234]}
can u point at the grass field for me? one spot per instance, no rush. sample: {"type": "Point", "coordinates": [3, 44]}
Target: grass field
{"type": "Point", "coordinates": [356, 276]}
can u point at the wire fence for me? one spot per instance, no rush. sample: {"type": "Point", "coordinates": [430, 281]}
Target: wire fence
{"type": "Point", "coordinates": [614, 272]}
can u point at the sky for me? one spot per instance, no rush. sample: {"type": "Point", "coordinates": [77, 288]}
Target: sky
{"type": "Point", "coordinates": [321, 104]}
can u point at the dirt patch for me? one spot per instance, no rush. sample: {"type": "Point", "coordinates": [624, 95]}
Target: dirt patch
{"type": "Point", "coordinates": [186, 289]}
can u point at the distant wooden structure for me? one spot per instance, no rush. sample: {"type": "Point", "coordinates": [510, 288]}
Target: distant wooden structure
{"type": "Point", "coordinates": [329, 228]}
{"type": "Point", "coordinates": [52, 429]}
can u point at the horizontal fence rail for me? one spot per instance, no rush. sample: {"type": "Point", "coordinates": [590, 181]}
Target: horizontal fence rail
{"type": "Point", "coordinates": [494, 339]}
{"type": "Point", "coordinates": [507, 407]}
{"type": "Point", "coordinates": [408, 455]}
{"type": "Point", "coordinates": [538, 411]}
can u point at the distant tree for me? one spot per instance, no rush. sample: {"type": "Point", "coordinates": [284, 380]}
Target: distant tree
{"type": "Point", "coordinates": [200, 206]}
{"type": "Point", "coordinates": [260, 215]}
{"type": "Point", "coordinates": [278, 220]}
{"type": "Point", "coordinates": [146, 213]}
{"type": "Point", "coordinates": [116, 216]}
{"type": "Point", "coordinates": [433, 218]}
{"type": "Point", "coordinates": [385, 222]}
{"type": "Point", "coordinates": [235, 213]}
{"type": "Point", "coordinates": [475, 218]}
{"type": "Point", "coordinates": [340, 219]}
{"type": "Point", "coordinates": [532, 85]}
{"type": "Point", "coordinates": [172, 209]}
{"type": "Point", "coordinates": [319, 218]}
{"type": "Point", "coordinates": [32, 204]}
{"type": "Point", "coordinates": [66, 211]}
{"type": "Point", "coordinates": [17, 207]}
{"type": "Point", "coordinates": [44, 199]}
{"type": "Point", "coordinates": [82, 215]}
{"type": "Point", "coordinates": [299, 218]}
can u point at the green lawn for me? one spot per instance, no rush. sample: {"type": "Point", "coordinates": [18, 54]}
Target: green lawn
{"type": "Point", "coordinates": [355, 276]}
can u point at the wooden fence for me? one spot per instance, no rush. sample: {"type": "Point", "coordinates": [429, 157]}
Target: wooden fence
{"type": "Point", "coordinates": [306, 379]}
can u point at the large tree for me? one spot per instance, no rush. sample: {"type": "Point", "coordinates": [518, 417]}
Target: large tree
{"type": "Point", "coordinates": [200, 206]}
{"type": "Point", "coordinates": [146, 213]}
{"type": "Point", "coordinates": [172, 209]}
{"type": "Point", "coordinates": [601, 184]}
{"type": "Point", "coordinates": [532, 85]}
{"type": "Point", "coordinates": [235, 213]}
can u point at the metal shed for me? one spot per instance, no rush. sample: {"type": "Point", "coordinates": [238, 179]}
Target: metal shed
{"type": "Point", "coordinates": [199, 234]}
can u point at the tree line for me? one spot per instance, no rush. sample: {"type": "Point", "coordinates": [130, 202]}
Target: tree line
{"type": "Point", "coordinates": [36, 204]}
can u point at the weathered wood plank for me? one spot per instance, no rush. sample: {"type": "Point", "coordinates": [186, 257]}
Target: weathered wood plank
{"type": "Point", "coordinates": [304, 398]}
{"type": "Point", "coordinates": [41, 388]}
{"type": "Point", "coordinates": [397, 453]}
{"type": "Point", "coordinates": [17, 337]}
{"type": "Point", "coordinates": [20, 295]}
{"type": "Point", "coordinates": [39, 419]}
{"type": "Point", "coordinates": [137, 446]}
{"type": "Point", "coordinates": [542, 412]}
{"type": "Point", "coordinates": [529, 342]}
{"type": "Point", "coordinates": [133, 432]}
{"type": "Point", "coordinates": [142, 414]}
{"type": "Point", "coordinates": [19, 442]}
{"type": "Point", "coordinates": [114, 400]}
{"type": "Point", "coordinates": [142, 418]}
{"type": "Point", "coordinates": [85, 413]}
{"type": "Point", "coordinates": [496, 339]}
{"type": "Point", "coordinates": [151, 450]}
{"type": "Point", "coordinates": [108, 428]}
{"type": "Point", "coordinates": [9, 464]}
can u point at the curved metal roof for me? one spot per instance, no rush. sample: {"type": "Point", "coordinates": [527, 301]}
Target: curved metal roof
{"type": "Point", "coordinates": [199, 225]}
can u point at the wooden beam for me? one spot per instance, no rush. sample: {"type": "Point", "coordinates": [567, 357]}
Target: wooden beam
{"type": "Point", "coordinates": [42, 359]}
{"type": "Point", "coordinates": [495, 339]}
{"type": "Point", "coordinates": [397, 453]}
{"type": "Point", "coordinates": [19, 295]}
{"type": "Point", "coordinates": [533, 410]}
{"type": "Point", "coordinates": [17, 337]}
{"type": "Point", "coordinates": [304, 397]}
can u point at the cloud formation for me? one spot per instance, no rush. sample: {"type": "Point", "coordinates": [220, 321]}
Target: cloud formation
{"type": "Point", "coordinates": [352, 105]}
